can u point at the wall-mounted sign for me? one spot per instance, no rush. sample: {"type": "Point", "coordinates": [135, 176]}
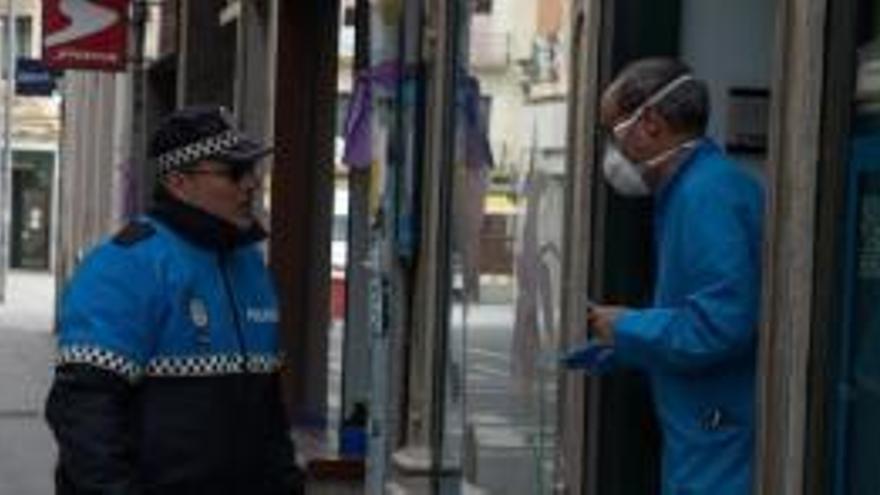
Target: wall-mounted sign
{"type": "Point", "coordinates": [85, 34]}
{"type": "Point", "coordinates": [33, 78]}
{"type": "Point", "coordinates": [747, 120]}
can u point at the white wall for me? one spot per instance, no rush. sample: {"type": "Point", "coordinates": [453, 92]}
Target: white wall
{"type": "Point", "coordinates": [36, 119]}
{"type": "Point", "coordinates": [94, 160]}
{"type": "Point", "coordinates": [728, 43]}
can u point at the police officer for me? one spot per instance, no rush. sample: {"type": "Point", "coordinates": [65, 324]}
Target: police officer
{"type": "Point", "coordinates": [167, 379]}
{"type": "Point", "coordinates": [697, 340]}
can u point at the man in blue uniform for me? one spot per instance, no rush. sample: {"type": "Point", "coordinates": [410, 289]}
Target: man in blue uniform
{"type": "Point", "coordinates": [697, 341]}
{"type": "Point", "coordinates": [167, 379]}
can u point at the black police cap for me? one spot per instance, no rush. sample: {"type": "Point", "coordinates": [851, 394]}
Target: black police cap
{"type": "Point", "coordinates": [198, 133]}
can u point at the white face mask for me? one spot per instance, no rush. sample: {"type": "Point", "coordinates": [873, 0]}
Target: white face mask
{"type": "Point", "coordinates": [624, 175]}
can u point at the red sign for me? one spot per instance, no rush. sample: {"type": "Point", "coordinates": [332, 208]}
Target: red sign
{"type": "Point", "coordinates": [85, 34]}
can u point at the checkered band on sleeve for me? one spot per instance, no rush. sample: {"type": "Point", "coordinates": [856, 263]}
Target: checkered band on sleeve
{"type": "Point", "coordinates": [100, 358]}
{"type": "Point", "coordinates": [198, 150]}
{"type": "Point", "coordinates": [211, 365]}
{"type": "Point", "coordinates": [264, 363]}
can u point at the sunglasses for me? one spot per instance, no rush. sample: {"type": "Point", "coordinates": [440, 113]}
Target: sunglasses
{"type": "Point", "coordinates": [233, 174]}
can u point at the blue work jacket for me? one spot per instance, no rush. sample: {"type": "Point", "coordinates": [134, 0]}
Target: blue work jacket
{"type": "Point", "coordinates": [697, 343]}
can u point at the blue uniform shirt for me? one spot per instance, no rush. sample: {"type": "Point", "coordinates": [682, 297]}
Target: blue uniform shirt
{"type": "Point", "coordinates": [167, 308]}
{"type": "Point", "coordinates": [697, 343]}
{"type": "Point", "coordinates": [168, 374]}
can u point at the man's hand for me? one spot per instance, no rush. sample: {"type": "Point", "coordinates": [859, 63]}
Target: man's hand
{"type": "Point", "coordinates": [593, 358]}
{"type": "Point", "coordinates": [601, 320]}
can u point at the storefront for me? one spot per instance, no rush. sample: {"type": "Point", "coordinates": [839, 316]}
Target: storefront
{"type": "Point", "coordinates": [843, 455]}
{"type": "Point", "coordinates": [509, 101]}
{"type": "Point", "coordinates": [468, 120]}
{"type": "Point", "coordinates": [512, 422]}
{"type": "Point", "coordinates": [856, 444]}
{"type": "Point", "coordinates": [491, 226]}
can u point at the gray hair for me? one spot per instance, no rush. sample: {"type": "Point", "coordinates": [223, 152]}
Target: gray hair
{"type": "Point", "coordinates": [685, 108]}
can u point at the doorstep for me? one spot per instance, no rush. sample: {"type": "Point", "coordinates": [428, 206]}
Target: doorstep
{"type": "Point", "coordinates": [326, 471]}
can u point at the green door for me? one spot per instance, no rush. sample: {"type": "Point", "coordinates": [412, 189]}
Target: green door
{"type": "Point", "coordinates": [31, 210]}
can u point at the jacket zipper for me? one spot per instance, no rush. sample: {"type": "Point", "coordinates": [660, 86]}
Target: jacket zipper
{"type": "Point", "coordinates": [236, 316]}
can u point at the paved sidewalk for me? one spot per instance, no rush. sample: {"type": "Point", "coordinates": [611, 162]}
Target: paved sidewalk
{"type": "Point", "coordinates": [30, 302]}
{"type": "Point", "coordinates": [27, 451]}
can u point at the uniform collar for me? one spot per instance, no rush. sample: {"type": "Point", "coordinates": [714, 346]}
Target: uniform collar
{"type": "Point", "coordinates": [203, 229]}
{"type": "Point", "coordinates": [702, 145]}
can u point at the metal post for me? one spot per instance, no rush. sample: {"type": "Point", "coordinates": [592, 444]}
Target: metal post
{"type": "Point", "coordinates": [441, 158]}
{"type": "Point", "coordinates": [383, 47]}
{"type": "Point", "coordinates": [356, 358]}
{"type": "Point", "coordinates": [139, 110]}
{"type": "Point", "coordinates": [6, 171]}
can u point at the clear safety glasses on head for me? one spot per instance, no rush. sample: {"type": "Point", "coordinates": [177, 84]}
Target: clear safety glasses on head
{"type": "Point", "coordinates": [626, 176]}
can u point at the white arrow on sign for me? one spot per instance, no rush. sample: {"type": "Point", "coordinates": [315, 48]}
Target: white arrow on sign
{"type": "Point", "coordinates": [86, 19]}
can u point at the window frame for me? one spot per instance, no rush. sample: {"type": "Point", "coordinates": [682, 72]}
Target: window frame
{"type": "Point", "coordinates": [24, 40]}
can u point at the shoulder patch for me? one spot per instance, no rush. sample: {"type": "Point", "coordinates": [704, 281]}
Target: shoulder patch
{"type": "Point", "coordinates": [133, 233]}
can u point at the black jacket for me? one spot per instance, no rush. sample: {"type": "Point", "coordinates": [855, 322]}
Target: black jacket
{"type": "Point", "coordinates": [177, 433]}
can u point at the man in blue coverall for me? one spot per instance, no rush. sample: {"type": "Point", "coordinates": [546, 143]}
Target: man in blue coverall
{"type": "Point", "coordinates": [167, 379]}
{"type": "Point", "coordinates": [697, 341]}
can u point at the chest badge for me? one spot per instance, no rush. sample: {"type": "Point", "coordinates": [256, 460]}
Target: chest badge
{"type": "Point", "coordinates": [198, 312]}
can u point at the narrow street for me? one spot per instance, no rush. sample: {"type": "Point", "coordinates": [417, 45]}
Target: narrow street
{"type": "Point", "coordinates": [26, 445]}
{"type": "Point", "coordinates": [401, 217]}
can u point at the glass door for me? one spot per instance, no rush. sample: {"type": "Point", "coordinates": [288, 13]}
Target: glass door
{"type": "Point", "coordinates": [31, 210]}
{"type": "Point", "coordinates": [507, 217]}
{"type": "Point", "coordinates": [857, 456]}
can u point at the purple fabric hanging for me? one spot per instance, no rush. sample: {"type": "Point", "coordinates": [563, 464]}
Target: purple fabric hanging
{"type": "Point", "coordinates": [358, 152]}
{"type": "Point", "coordinates": [358, 136]}
{"type": "Point", "coordinates": [358, 139]}
{"type": "Point", "coordinates": [478, 152]}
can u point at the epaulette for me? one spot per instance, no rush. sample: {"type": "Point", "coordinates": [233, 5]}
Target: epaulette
{"type": "Point", "coordinates": [134, 233]}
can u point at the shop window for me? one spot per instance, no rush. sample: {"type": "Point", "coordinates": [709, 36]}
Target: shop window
{"type": "Point", "coordinates": [856, 462]}
{"type": "Point", "coordinates": [505, 285]}
{"type": "Point", "coordinates": [23, 39]}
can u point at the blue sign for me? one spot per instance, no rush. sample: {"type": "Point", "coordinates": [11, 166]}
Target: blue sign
{"type": "Point", "coordinates": [32, 78]}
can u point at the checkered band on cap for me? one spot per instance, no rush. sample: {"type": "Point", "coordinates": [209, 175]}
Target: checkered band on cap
{"type": "Point", "coordinates": [100, 358]}
{"type": "Point", "coordinates": [212, 365]}
{"type": "Point", "coordinates": [205, 148]}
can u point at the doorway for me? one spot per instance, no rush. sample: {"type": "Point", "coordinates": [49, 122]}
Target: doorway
{"type": "Point", "coordinates": [31, 210]}
{"type": "Point", "coordinates": [729, 45]}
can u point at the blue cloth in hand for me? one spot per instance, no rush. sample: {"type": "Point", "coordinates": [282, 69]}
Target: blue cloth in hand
{"type": "Point", "coordinates": [592, 357]}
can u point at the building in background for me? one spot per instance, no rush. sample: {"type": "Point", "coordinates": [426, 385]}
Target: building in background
{"type": "Point", "coordinates": [468, 278]}
{"type": "Point", "coordinates": [36, 129]}
{"type": "Point", "coordinates": [102, 180]}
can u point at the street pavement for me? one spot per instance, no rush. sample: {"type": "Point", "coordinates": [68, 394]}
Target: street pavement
{"type": "Point", "coordinates": [513, 433]}
{"type": "Point", "coordinates": [512, 424]}
{"type": "Point", "coordinates": [27, 451]}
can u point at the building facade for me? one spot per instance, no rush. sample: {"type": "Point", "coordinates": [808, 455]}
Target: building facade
{"type": "Point", "coordinates": [36, 124]}
{"type": "Point", "coordinates": [479, 222]}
